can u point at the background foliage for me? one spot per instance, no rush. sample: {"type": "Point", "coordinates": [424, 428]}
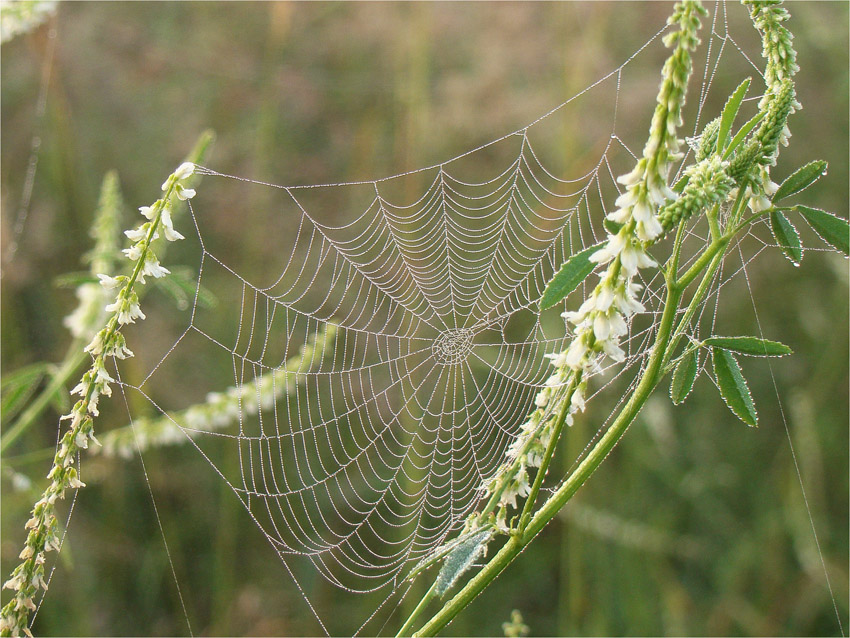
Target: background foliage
{"type": "Point", "coordinates": [695, 525]}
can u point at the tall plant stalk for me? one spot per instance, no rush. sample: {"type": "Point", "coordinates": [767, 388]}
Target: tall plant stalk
{"type": "Point", "coordinates": [730, 172]}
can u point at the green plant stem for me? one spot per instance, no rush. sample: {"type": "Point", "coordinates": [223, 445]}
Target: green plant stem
{"type": "Point", "coordinates": [429, 595]}
{"type": "Point", "coordinates": [74, 358]}
{"type": "Point", "coordinates": [575, 379]}
{"type": "Point", "coordinates": [553, 505]}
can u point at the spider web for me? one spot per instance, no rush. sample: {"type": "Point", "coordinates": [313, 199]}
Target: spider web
{"type": "Point", "coordinates": [375, 454]}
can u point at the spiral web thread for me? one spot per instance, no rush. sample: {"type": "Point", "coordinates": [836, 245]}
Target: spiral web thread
{"type": "Point", "coordinates": [375, 455]}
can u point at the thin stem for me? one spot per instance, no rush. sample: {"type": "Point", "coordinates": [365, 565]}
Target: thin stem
{"type": "Point", "coordinates": [575, 379]}
{"type": "Point", "coordinates": [553, 505]}
{"type": "Point", "coordinates": [429, 595]}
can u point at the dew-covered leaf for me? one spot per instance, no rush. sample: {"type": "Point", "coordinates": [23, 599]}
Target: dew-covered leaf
{"type": "Point", "coordinates": [800, 179]}
{"type": "Point", "coordinates": [730, 111]}
{"type": "Point", "coordinates": [733, 387]}
{"type": "Point", "coordinates": [684, 375]}
{"type": "Point", "coordinates": [572, 273]}
{"type": "Point", "coordinates": [833, 230]}
{"type": "Point", "coordinates": [750, 346]}
{"type": "Point", "coordinates": [787, 237]}
{"type": "Point", "coordinates": [460, 560]}
{"type": "Point", "coordinates": [742, 134]}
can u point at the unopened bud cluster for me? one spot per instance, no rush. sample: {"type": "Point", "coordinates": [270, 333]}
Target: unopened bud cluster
{"type": "Point", "coordinates": [42, 528]}
{"type": "Point", "coordinates": [707, 185]}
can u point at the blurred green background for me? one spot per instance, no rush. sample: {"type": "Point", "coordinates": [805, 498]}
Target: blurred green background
{"type": "Point", "coordinates": [695, 525]}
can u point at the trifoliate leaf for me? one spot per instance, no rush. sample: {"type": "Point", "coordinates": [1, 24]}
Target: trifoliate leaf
{"type": "Point", "coordinates": [730, 111]}
{"type": "Point", "coordinates": [684, 375]}
{"type": "Point", "coordinates": [733, 387]}
{"type": "Point", "coordinates": [572, 273]}
{"type": "Point", "coordinates": [750, 346]}
{"type": "Point", "coordinates": [787, 237]}
{"type": "Point", "coordinates": [833, 230]}
{"type": "Point", "coordinates": [800, 179]}
{"type": "Point", "coordinates": [461, 559]}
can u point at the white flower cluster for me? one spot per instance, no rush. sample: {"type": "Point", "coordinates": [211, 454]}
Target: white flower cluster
{"type": "Point", "coordinates": [221, 409]}
{"type": "Point", "coordinates": [28, 577]}
{"type": "Point", "coordinates": [603, 318]}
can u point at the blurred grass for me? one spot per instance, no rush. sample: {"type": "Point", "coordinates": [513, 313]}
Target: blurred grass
{"type": "Point", "coordinates": [695, 525]}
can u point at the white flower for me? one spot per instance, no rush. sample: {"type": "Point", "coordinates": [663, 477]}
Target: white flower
{"type": "Point", "coordinates": [542, 398]}
{"type": "Point", "coordinates": [633, 257]}
{"type": "Point", "coordinates": [134, 252]}
{"type": "Point", "coordinates": [148, 211]}
{"type": "Point", "coordinates": [168, 226]}
{"type": "Point", "coordinates": [609, 251]}
{"type": "Point", "coordinates": [153, 268]}
{"type": "Point", "coordinates": [558, 360]}
{"type": "Point", "coordinates": [111, 282]}
{"type": "Point", "coordinates": [184, 193]}
{"type": "Point", "coordinates": [184, 170]}
{"type": "Point", "coordinates": [601, 326]}
{"type": "Point", "coordinates": [138, 234]}
{"type": "Point", "coordinates": [625, 299]}
{"type": "Point", "coordinates": [613, 350]}
{"type": "Point", "coordinates": [102, 375]}
{"type": "Point", "coordinates": [576, 353]}
{"type": "Point", "coordinates": [577, 400]}
{"type": "Point", "coordinates": [129, 313]}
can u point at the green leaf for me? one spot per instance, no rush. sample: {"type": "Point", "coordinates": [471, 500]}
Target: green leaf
{"type": "Point", "coordinates": [730, 111]}
{"type": "Point", "coordinates": [741, 134]}
{"type": "Point", "coordinates": [574, 271]}
{"type": "Point", "coordinates": [787, 237]}
{"type": "Point", "coordinates": [733, 387]}
{"type": "Point", "coordinates": [611, 226]}
{"type": "Point", "coordinates": [684, 375]}
{"type": "Point", "coordinates": [74, 279]}
{"type": "Point", "coordinates": [460, 560]}
{"type": "Point", "coordinates": [18, 387]}
{"type": "Point", "coordinates": [800, 179]}
{"type": "Point", "coordinates": [182, 289]}
{"type": "Point", "coordinates": [750, 346]}
{"type": "Point", "coordinates": [833, 230]}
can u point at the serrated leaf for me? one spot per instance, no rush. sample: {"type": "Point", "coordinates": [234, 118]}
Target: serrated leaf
{"type": "Point", "coordinates": [18, 387]}
{"type": "Point", "coordinates": [572, 273]}
{"type": "Point", "coordinates": [833, 230]}
{"type": "Point", "coordinates": [684, 376]}
{"type": "Point", "coordinates": [800, 179]}
{"type": "Point", "coordinates": [750, 346]}
{"type": "Point", "coordinates": [460, 560]}
{"type": "Point", "coordinates": [787, 237]}
{"type": "Point", "coordinates": [733, 387]}
{"type": "Point", "coordinates": [742, 133]}
{"type": "Point", "coordinates": [730, 111]}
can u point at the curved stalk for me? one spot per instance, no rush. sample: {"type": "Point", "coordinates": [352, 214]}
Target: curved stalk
{"type": "Point", "coordinates": [649, 379]}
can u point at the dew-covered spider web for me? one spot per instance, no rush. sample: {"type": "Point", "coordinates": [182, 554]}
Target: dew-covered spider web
{"type": "Point", "coordinates": [414, 298]}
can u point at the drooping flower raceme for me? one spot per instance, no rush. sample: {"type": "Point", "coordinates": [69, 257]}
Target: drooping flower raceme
{"type": "Point", "coordinates": [602, 320]}
{"type": "Point", "coordinates": [42, 527]}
